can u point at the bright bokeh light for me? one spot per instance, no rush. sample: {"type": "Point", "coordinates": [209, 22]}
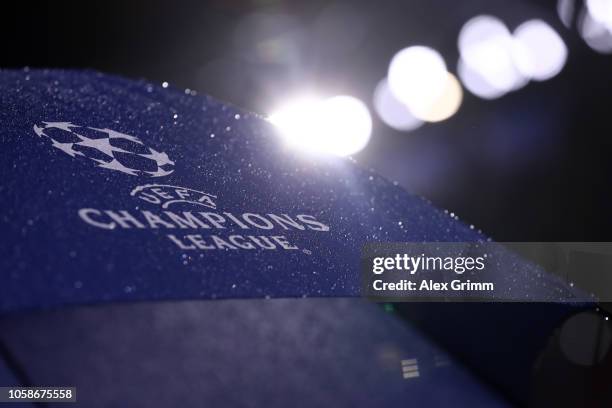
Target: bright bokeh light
{"type": "Point", "coordinates": [447, 104]}
{"type": "Point", "coordinates": [601, 12]}
{"type": "Point", "coordinates": [595, 33]}
{"type": "Point", "coordinates": [539, 52]}
{"type": "Point", "coordinates": [340, 125]}
{"type": "Point", "coordinates": [565, 10]}
{"type": "Point", "coordinates": [418, 88]}
{"type": "Point", "coordinates": [476, 83]}
{"type": "Point", "coordinates": [486, 47]}
{"type": "Point", "coordinates": [417, 76]}
{"type": "Point", "coordinates": [392, 111]}
{"type": "Point", "coordinates": [494, 61]}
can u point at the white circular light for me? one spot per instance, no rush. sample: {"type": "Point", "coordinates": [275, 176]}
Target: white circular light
{"type": "Point", "coordinates": [340, 125]}
{"type": "Point", "coordinates": [392, 111]}
{"type": "Point", "coordinates": [539, 51]}
{"type": "Point", "coordinates": [481, 28]}
{"type": "Point", "coordinates": [601, 11]}
{"type": "Point", "coordinates": [565, 10]}
{"type": "Point", "coordinates": [447, 103]}
{"type": "Point", "coordinates": [476, 83]}
{"type": "Point", "coordinates": [296, 120]}
{"type": "Point", "coordinates": [486, 48]}
{"type": "Point", "coordinates": [417, 76]}
{"type": "Point", "coordinates": [347, 124]}
{"type": "Point", "coordinates": [595, 34]}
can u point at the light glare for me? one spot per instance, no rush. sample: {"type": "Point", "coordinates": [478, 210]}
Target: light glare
{"type": "Point", "coordinates": [565, 10]}
{"type": "Point", "coordinates": [339, 125]}
{"type": "Point", "coordinates": [595, 33]}
{"type": "Point", "coordinates": [447, 103]}
{"type": "Point", "coordinates": [476, 83]}
{"type": "Point", "coordinates": [417, 77]}
{"type": "Point", "coordinates": [392, 111]}
{"type": "Point", "coordinates": [601, 11]}
{"type": "Point", "coordinates": [539, 52]}
{"type": "Point", "coordinates": [486, 48]}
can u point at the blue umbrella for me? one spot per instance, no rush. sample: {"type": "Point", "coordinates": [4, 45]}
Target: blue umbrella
{"type": "Point", "coordinates": [119, 191]}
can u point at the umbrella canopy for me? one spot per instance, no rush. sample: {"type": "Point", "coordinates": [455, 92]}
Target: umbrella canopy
{"type": "Point", "coordinates": [119, 190]}
{"type": "Point", "coordinates": [124, 190]}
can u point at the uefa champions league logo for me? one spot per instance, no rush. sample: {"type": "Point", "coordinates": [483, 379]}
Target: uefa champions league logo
{"type": "Point", "coordinates": [109, 149]}
{"type": "Point", "coordinates": [127, 154]}
{"type": "Point", "coordinates": [166, 195]}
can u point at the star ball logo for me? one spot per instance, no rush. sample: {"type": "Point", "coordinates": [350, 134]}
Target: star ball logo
{"type": "Point", "coordinates": [108, 148]}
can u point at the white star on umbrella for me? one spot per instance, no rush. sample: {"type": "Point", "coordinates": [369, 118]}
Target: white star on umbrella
{"type": "Point", "coordinates": [102, 145]}
{"type": "Point", "coordinates": [116, 165]}
{"type": "Point", "coordinates": [40, 131]}
{"type": "Point", "coordinates": [159, 173]}
{"type": "Point", "coordinates": [60, 125]}
{"type": "Point", "coordinates": [118, 135]}
{"type": "Point", "coordinates": [66, 148]}
{"type": "Point", "coordinates": [160, 158]}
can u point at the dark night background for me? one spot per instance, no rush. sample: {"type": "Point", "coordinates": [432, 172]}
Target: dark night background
{"type": "Point", "coordinates": [530, 166]}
